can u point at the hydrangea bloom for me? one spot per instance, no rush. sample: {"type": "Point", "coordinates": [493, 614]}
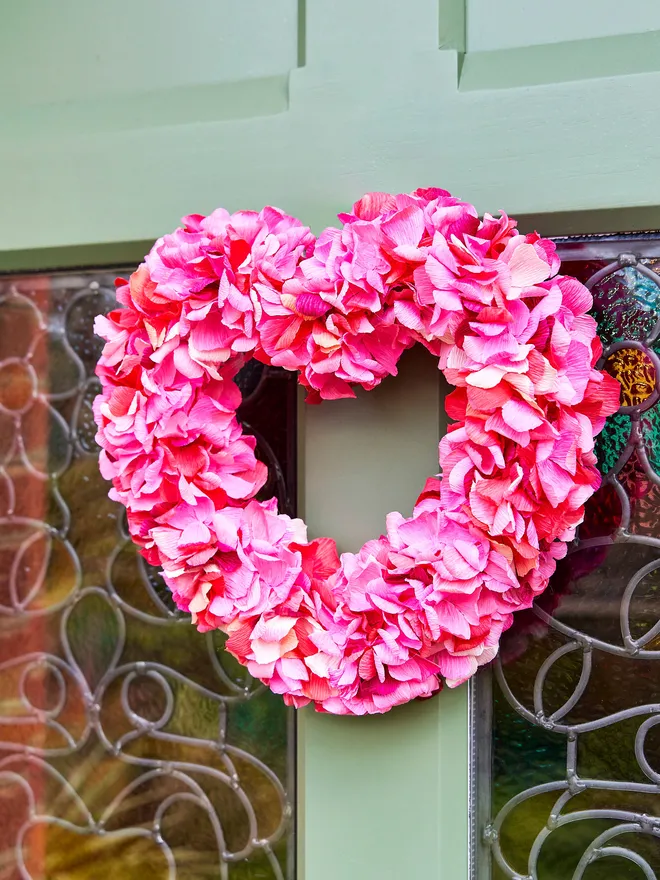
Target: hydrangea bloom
{"type": "Point", "coordinates": [425, 603]}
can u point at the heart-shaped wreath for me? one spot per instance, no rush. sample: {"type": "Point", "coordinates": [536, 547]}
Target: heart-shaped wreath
{"type": "Point", "coordinates": [429, 600]}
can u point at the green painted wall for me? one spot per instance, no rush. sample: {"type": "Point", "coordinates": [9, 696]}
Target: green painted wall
{"type": "Point", "coordinates": [118, 118]}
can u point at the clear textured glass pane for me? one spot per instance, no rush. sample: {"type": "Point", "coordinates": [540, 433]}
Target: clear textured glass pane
{"type": "Point", "coordinates": [568, 717]}
{"type": "Point", "coordinates": [131, 746]}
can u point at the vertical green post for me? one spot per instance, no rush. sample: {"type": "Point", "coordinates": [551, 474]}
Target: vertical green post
{"type": "Point", "coordinates": [383, 796]}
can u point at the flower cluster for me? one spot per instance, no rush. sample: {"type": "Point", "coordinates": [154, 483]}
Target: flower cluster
{"type": "Point", "coordinates": [428, 601]}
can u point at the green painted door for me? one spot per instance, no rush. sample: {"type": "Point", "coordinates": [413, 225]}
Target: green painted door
{"type": "Point", "coordinates": [118, 118]}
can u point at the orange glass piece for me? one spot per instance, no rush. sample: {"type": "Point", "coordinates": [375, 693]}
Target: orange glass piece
{"type": "Point", "coordinates": [635, 372]}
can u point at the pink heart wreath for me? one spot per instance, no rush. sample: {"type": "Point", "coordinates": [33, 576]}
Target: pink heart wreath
{"type": "Point", "coordinates": [429, 600]}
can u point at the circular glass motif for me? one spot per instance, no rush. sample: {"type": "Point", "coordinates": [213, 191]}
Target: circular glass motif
{"type": "Point", "coordinates": [626, 305]}
{"type": "Point", "coordinates": [16, 385]}
{"type": "Point", "coordinates": [635, 372]}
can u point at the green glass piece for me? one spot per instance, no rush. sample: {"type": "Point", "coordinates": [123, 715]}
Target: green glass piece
{"type": "Point", "coordinates": [650, 431]}
{"type": "Point", "coordinates": [612, 441]}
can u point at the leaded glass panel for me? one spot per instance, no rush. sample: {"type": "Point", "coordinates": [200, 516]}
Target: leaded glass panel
{"type": "Point", "coordinates": [566, 762]}
{"type": "Point", "coordinates": [131, 746]}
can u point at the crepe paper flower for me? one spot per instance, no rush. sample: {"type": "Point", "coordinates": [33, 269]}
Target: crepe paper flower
{"type": "Point", "coordinates": [426, 603]}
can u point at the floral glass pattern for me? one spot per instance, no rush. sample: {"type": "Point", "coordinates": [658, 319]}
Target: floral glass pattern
{"type": "Point", "coordinates": [566, 761]}
{"type": "Point", "coordinates": [131, 746]}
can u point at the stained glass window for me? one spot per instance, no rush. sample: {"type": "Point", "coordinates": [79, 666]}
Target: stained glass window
{"type": "Point", "coordinates": [131, 746]}
{"type": "Point", "coordinates": [566, 768]}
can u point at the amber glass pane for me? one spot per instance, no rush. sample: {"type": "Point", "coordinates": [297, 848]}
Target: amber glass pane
{"type": "Point", "coordinates": [572, 780]}
{"type": "Point", "coordinates": [131, 746]}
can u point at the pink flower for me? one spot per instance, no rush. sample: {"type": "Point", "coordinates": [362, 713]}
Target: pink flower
{"type": "Point", "coordinates": [338, 321]}
{"type": "Point", "coordinates": [412, 605]}
{"type": "Point", "coordinates": [238, 562]}
{"type": "Point", "coordinates": [194, 291]}
{"type": "Point", "coordinates": [328, 321]}
{"type": "Point", "coordinates": [290, 648]}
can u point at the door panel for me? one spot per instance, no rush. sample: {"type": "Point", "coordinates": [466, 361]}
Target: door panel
{"type": "Point", "coordinates": [137, 117]}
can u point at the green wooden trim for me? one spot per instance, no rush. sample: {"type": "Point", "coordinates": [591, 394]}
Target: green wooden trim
{"type": "Point", "coordinates": [453, 744]}
{"type": "Point", "coordinates": [302, 33]}
{"type": "Point", "coordinates": [451, 20]}
{"type": "Point", "coordinates": [452, 26]}
{"type": "Point", "coordinates": [385, 796]}
{"type": "Point", "coordinates": [96, 256]}
{"type": "Point", "coordinates": [561, 148]}
{"type": "Point", "coordinates": [186, 105]}
{"type": "Point", "coordinates": [123, 253]}
{"type": "Point", "coordinates": [452, 29]}
{"type": "Point", "coordinates": [600, 57]}
{"type": "Point", "coordinates": [639, 219]}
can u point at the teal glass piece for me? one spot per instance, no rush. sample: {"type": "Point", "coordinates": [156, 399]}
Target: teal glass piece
{"type": "Point", "coordinates": [626, 305]}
